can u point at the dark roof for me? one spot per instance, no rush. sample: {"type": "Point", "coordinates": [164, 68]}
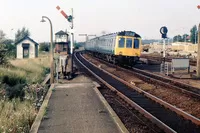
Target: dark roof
{"type": "Point", "coordinates": [61, 33]}
{"type": "Point", "coordinates": [128, 33]}
{"type": "Point", "coordinates": [26, 37]}
{"type": "Point", "coordinates": [122, 33]}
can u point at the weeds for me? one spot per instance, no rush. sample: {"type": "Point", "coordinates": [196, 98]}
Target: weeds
{"type": "Point", "coordinates": [17, 93]}
{"type": "Point", "coordinates": [16, 116]}
{"type": "Point", "coordinates": [45, 113]}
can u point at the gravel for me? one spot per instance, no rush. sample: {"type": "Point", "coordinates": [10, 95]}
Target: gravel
{"type": "Point", "coordinates": [180, 100]}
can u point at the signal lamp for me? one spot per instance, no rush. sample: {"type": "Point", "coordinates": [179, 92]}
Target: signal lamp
{"type": "Point", "coordinates": [69, 18]}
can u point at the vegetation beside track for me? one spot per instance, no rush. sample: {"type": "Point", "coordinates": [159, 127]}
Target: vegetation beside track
{"type": "Point", "coordinates": [19, 81]}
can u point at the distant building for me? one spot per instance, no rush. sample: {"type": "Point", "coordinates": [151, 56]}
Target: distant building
{"type": "Point", "coordinates": [26, 48]}
{"type": "Point", "coordinates": [61, 42]}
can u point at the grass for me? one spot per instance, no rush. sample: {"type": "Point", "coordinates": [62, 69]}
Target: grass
{"type": "Point", "coordinates": [17, 116]}
{"type": "Point", "coordinates": [45, 113]}
{"type": "Point", "coordinates": [33, 69]}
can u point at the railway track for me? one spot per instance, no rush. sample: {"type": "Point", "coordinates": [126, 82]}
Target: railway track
{"type": "Point", "coordinates": [166, 119]}
{"type": "Point", "coordinates": [159, 80]}
{"type": "Point", "coordinates": [168, 59]}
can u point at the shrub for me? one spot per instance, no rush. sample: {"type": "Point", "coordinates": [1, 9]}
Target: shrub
{"type": "Point", "coordinates": [46, 70]}
{"type": "Point", "coordinates": [3, 58]}
{"type": "Point", "coordinates": [13, 80]}
{"type": "Point", "coordinates": [16, 91]}
{"type": "Point", "coordinates": [14, 86]}
{"type": "Point", "coordinates": [44, 47]}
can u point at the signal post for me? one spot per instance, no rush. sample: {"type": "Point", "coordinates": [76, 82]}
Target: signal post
{"type": "Point", "coordinates": [70, 19]}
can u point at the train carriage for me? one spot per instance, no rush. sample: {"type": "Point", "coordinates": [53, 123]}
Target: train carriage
{"type": "Point", "coordinates": [119, 48]}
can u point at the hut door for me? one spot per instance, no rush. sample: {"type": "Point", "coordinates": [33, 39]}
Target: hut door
{"type": "Point", "coordinates": [25, 50]}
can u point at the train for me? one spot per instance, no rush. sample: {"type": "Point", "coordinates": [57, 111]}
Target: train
{"type": "Point", "coordinates": [123, 48]}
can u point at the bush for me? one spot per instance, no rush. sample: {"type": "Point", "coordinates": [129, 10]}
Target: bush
{"type": "Point", "coordinates": [44, 47]}
{"type": "Point", "coordinates": [3, 58]}
{"type": "Point", "coordinates": [46, 70]}
{"type": "Point", "coordinates": [16, 91]}
{"type": "Point", "coordinates": [13, 80]}
{"type": "Point", "coordinates": [14, 86]}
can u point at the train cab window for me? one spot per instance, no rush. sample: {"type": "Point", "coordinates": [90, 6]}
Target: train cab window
{"type": "Point", "coordinates": [129, 42]}
{"type": "Point", "coordinates": [136, 43]}
{"type": "Point", "coordinates": [121, 42]}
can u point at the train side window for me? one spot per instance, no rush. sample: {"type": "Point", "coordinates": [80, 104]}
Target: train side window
{"type": "Point", "coordinates": [136, 43]}
{"type": "Point", "coordinates": [129, 42]}
{"type": "Point", "coordinates": [121, 42]}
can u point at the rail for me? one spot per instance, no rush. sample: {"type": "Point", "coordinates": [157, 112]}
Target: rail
{"type": "Point", "coordinates": [166, 119]}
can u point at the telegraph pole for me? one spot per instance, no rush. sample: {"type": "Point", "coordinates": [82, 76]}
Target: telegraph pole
{"type": "Point", "coordinates": [195, 42]}
{"type": "Point", "coordinates": [198, 53]}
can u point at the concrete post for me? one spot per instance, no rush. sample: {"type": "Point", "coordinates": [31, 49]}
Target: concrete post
{"type": "Point", "coordinates": [198, 54]}
{"type": "Point", "coordinates": [72, 43]}
{"type": "Point", "coordinates": [164, 48]}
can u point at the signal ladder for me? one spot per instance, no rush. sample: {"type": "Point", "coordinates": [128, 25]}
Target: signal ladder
{"type": "Point", "coordinates": [164, 68]}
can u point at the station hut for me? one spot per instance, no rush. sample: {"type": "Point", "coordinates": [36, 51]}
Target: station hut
{"type": "Point", "coordinates": [26, 48]}
{"type": "Point", "coordinates": [61, 42]}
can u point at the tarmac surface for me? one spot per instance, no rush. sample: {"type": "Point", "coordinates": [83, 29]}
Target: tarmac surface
{"type": "Point", "coordinates": [75, 107]}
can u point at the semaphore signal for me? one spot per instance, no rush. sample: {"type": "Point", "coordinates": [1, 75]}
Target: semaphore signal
{"type": "Point", "coordinates": [69, 18]}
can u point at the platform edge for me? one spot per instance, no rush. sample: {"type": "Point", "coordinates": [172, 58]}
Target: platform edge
{"type": "Point", "coordinates": [114, 116]}
{"type": "Point", "coordinates": [36, 124]}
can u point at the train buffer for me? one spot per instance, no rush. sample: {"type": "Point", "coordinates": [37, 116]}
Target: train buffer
{"type": "Point", "coordinates": [78, 106]}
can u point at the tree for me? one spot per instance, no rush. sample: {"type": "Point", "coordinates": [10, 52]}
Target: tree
{"type": "Point", "coordinates": [3, 58]}
{"type": "Point", "coordinates": [44, 47]}
{"type": "Point", "coordinates": [177, 38]}
{"type": "Point", "coordinates": [193, 34]}
{"type": "Point", "coordinates": [2, 36]}
{"type": "Point", "coordinates": [21, 34]}
{"type": "Point", "coordinates": [10, 47]}
{"type": "Point", "coordinates": [185, 37]}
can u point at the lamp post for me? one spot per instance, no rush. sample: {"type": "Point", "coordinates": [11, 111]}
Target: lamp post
{"type": "Point", "coordinates": [51, 49]}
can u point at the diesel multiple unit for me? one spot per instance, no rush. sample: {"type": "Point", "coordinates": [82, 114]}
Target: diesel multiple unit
{"type": "Point", "coordinates": [120, 48]}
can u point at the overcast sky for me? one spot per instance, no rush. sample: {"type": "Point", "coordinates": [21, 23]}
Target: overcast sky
{"type": "Point", "coordinates": [94, 16]}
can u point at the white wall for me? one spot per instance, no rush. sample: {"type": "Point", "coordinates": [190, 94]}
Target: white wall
{"type": "Point", "coordinates": [31, 49]}
{"type": "Point", "coordinates": [62, 38]}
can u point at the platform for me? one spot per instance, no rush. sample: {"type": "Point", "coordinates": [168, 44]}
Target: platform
{"type": "Point", "coordinates": [78, 107]}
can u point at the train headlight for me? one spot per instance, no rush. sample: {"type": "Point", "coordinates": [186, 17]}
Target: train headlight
{"type": "Point", "coordinates": [120, 53]}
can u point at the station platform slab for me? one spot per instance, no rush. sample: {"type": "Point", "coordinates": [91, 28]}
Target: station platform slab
{"type": "Point", "coordinates": [78, 107]}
